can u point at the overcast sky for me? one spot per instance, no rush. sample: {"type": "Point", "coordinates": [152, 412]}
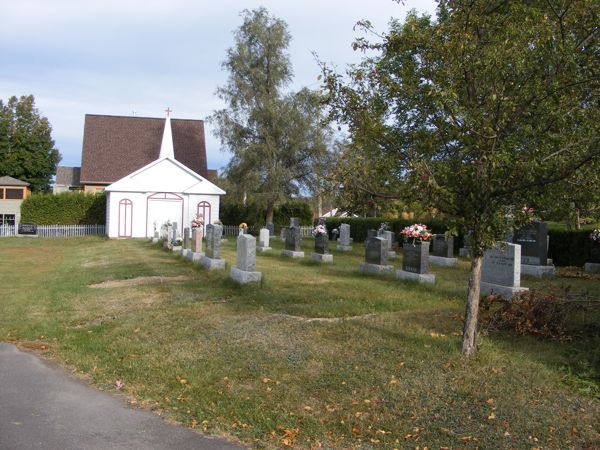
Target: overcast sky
{"type": "Point", "coordinates": [117, 56]}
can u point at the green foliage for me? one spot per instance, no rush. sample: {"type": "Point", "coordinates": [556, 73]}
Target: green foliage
{"type": "Point", "coordinates": [66, 208]}
{"type": "Point", "coordinates": [569, 248]}
{"type": "Point", "coordinates": [468, 113]}
{"type": "Point", "coordinates": [298, 209]}
{"type": "Point", "coordinates": [359, 226]}
{"type": "Point", "coordinates": [478, 113]}
{"type": "Point", "coordinates": [254, 214]}
{"type": "Point", "coordinates": [27, 150]}
{"type": "Point", "coordinates": [274, 138]}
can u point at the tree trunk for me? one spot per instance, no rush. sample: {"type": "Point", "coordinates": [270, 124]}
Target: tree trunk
{"type": "Point", "coordinates": [319, 205]}
{"type": "Point", "coordinates": [469, 343]}
{"type": "Point", "coordinates": [270, 209]}
{"type": "Point", "coordinates": [578, 225]}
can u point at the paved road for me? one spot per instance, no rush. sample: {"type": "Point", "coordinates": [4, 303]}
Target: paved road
{"type": "Point", "coordinates": [44, 407]}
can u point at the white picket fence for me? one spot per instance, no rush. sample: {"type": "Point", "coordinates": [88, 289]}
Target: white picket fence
{"type": "Point", "coordinates": [7, 230]}
{"type": "Point", "coordinates": [58, 230]}
{"type": "Point", "coordinates": [70, 230]}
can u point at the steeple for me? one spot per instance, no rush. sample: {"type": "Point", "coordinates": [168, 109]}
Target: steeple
{"type": "Point", "coordinates": [166, 147]}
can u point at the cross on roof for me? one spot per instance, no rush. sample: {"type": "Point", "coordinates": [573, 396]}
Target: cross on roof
{"type": "Point", "coordinates": [168, 111]}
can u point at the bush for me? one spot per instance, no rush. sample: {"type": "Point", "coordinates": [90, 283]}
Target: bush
{"type": "Point", "coordinates": [66, 208]}
{"type": "Point", "coordinates": [254, 215]}
{"type": "Point", "coordinates": [359, 227]}
{"type": "Point", "coordinates": [569, 248]}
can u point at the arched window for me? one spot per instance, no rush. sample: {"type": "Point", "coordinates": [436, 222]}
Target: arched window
{"type": "Point", "coordinates": [125, 218]}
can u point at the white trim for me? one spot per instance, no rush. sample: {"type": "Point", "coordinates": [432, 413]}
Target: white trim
{"type": "Point", "coordinates": [203, 186]}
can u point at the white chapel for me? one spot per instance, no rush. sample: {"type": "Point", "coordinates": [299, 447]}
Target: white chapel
{"type": "Point", "coordinates": [163, 190]}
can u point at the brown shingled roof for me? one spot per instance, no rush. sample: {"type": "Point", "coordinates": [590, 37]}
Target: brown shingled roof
{"type": "Point", "coordinates": [68, 176]}
{"type": "Point", "coordinates": [10, 181]}
{"type": "Point", "coordinates": [116, 146]}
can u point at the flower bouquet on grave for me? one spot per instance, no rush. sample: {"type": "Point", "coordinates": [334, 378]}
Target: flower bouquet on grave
{"type": "Point", "coordinates": [320, 228]}
{"type": "Point", "coordinates": [418, 232]}
{"type": "Point", "coordinates": [243, 228]}
{"type": "Point", "coordinates": [595, 236]}
{"type": "Point", "coordinates": [198, 221]}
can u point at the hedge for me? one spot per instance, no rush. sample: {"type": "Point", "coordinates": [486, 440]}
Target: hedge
{"type": "Point", "coordinates": [66, 208]}
{"type": "Point", "coordinates": [254, 215]}
{"type": "Point", "coordinates": [359, 226]}
{"type": "Point", "coordinates": [567, 248]}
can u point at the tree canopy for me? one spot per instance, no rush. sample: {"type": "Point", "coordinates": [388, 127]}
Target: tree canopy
{"type": "Point", "coordinates": [27, 150]}
{"type": "Point", "coordinates": [479, 111]}
{"type": "Point", "coordinates": [274, 137]}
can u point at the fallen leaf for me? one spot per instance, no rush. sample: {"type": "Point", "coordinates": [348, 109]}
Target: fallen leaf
{"type": "Point", "coordinates": [194, 423]}
{"type": "Point", "coordinates": [119, 385]}
{"type": "Point", "coordinates": [492, 416]}
{"type": "Point", "coordinates": [490, 401]}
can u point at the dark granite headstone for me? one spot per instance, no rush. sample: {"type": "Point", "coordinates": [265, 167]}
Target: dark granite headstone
{"type": "Point", "coordinates": [292, 239]}
{"type": "Point", "coordinates": [371, 233]}
{"type": "Point", "coordinates": [443, 246]}
{"type": "Point", "coordinates": [595, 254]}
{"type": "Point", "coordinates": [334, 234]}
{"type": "Point", "coordinates": [416, 257]}
{"type": "Point", "coordinates": [271, 229]}
{"type": "Point", "coordinates": [27, 228]}
{"type": "Point", "coordinates": [376, 250]}
{"type": "Point", "coordinates": [321, 243]}
{"type": "Point", "coordinates": [533, 240]}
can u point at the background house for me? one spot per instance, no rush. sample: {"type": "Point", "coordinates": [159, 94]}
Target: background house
{"type": "Point", "coordinates": [12, 194]}
{"type": "Point", "coordinates": [67, 179]}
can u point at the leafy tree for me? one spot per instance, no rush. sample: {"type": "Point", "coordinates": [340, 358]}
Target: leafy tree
{"type": "Point", "coordinates": [27, 150]}
{"type": "Point", "coordinates": [479, 112]}
{"type": "Point", "coordinates": [274, 137]}
{"type": "Point", "coordinates": [575, 200]}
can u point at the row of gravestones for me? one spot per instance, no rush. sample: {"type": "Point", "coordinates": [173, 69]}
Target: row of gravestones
{"type": "Point", "coordinates": [501, 270]}
{"type": "Point", "coordinates": [191, 248]}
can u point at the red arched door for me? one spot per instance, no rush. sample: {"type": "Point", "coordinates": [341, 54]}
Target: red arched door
{"type": "Point", "coordinates": [125, 218]}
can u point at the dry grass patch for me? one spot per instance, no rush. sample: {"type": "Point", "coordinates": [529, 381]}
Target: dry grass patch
{"type": "Point", "coordinates": [138, 281]}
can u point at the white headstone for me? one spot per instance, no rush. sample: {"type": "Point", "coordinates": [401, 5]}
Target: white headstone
{"type": "Point", "coordinates": [501, 270]}
{"type": "Point", "coordinates": [263, 239]}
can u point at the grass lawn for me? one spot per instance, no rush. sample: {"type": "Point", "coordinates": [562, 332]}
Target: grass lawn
{"type": "Point", "coordinates": [316, 356]}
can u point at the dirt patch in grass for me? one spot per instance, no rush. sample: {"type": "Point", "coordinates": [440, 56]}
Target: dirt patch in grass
{"type": "Point", "coordinates": [138, 281]}
{"type": "Point", "coordinates": [37, 346]}
{"type": "Point", "coordinates": [327, 319]}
